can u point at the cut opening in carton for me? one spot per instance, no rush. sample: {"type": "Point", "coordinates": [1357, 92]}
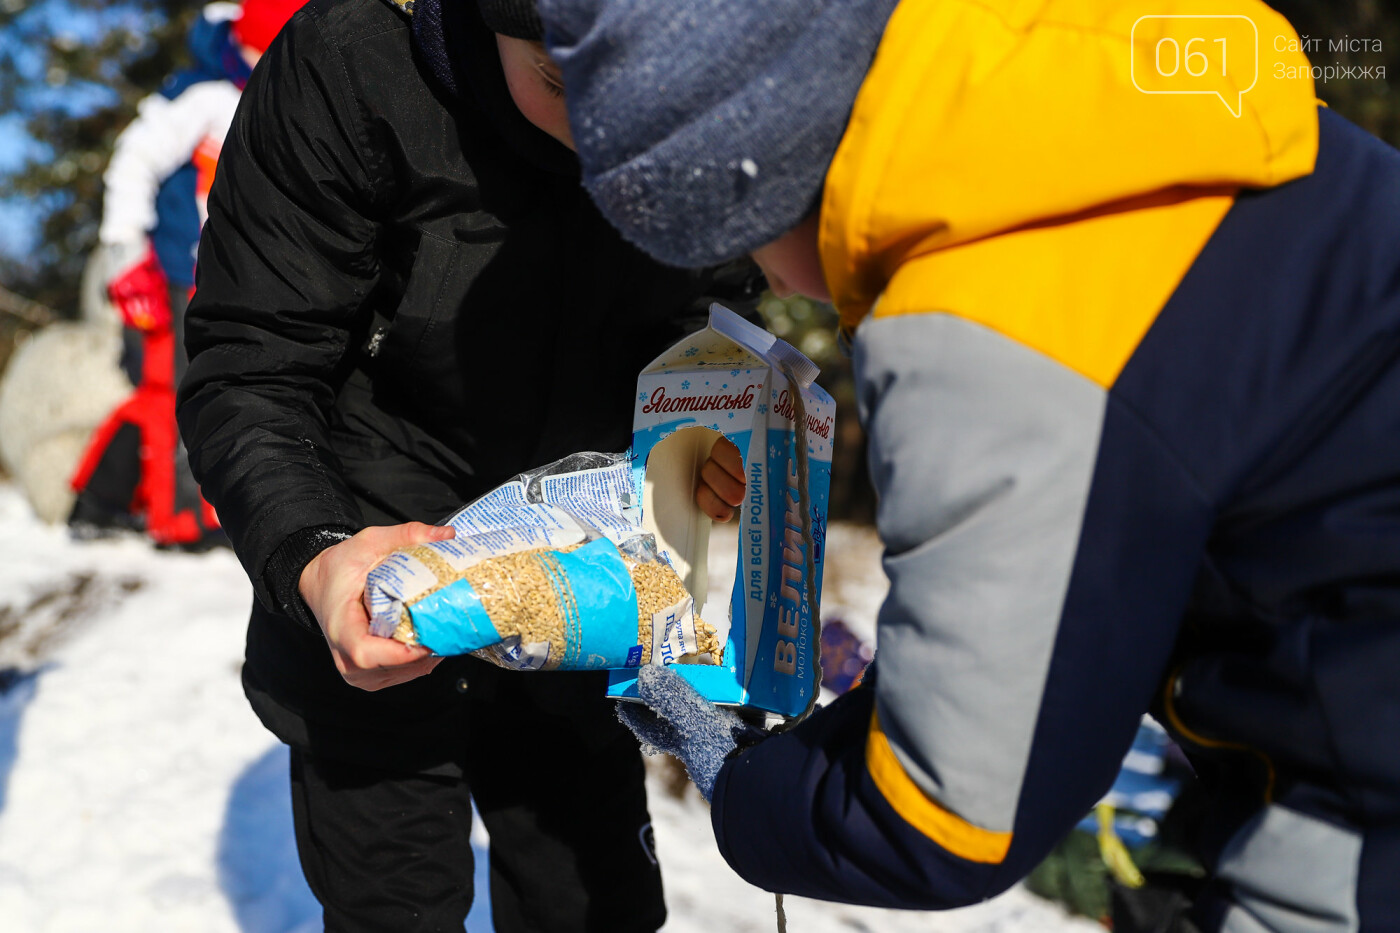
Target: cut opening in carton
{"type": "Point", "coordinates": [681, 528]}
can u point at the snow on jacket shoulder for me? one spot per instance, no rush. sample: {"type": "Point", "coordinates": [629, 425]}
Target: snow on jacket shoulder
{"type": "Point", "coordinates": [1131, 387]}
{"type": "Point", "coordinates": [163, 162]}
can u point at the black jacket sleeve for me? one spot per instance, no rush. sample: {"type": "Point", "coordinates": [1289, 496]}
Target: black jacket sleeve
{"type": "Point", "coordinates": [287, 267]}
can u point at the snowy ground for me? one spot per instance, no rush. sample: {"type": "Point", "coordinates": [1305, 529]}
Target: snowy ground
{"type": "Point", "coordinates": [139, 793]}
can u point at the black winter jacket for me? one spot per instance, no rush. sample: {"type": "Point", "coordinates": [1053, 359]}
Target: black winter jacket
{"type": "Point", "coordinates": [404, 298]}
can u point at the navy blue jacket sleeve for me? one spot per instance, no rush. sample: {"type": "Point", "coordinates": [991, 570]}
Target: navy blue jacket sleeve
{"type": "Point", "coordinates": [799, 814]}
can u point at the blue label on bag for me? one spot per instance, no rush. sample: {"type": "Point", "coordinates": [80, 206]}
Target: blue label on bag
{"type": "Point", "coordinates": [453, 621]}
{"type": "Point", "coordinates": [599, 605]}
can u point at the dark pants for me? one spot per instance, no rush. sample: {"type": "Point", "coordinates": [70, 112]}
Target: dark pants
{"type": "Point", "coordinates": [563, 800]}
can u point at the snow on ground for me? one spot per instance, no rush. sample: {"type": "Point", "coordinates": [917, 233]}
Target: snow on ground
{"type": "Point", "coordinates": [138, 792]}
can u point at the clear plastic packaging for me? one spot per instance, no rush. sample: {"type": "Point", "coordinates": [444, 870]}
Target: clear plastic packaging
{"type": "Point", "coordinates": [547, 572]}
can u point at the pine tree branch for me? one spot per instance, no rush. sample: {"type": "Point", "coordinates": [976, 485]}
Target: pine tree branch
{"type": "Point", "coordinates": [21, 307]}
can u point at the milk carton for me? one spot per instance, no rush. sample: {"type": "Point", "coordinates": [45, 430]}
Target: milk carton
{"type": "Point", "coordinates": [738, 381]}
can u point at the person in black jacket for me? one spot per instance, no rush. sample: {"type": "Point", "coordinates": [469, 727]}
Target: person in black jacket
{"type": "Point", "coordinates": [404, 297]}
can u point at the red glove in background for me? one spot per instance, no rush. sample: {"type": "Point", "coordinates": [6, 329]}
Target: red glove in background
{"type": "Point", "coordinates": [142, 295]}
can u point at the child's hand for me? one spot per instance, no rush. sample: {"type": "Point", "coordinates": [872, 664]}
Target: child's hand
{"type": "Point", "coordinates": [721, 487]}
{"type": "Point", "coordinates": [333, 585]}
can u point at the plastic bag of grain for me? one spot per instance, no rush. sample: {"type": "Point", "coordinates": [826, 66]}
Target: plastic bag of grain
{"type": "Point", "coordinates": [547, 572]}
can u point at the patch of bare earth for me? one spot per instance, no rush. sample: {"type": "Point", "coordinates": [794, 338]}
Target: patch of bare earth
{"type": "Point", "coordinates": [32, 626]}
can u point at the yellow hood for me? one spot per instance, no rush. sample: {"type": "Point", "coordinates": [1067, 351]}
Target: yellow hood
{"type": "Point", "coordinates": [993, 142]}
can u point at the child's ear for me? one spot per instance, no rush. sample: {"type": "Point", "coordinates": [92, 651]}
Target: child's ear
{"type": "Point", "coordinates": [793, 262]}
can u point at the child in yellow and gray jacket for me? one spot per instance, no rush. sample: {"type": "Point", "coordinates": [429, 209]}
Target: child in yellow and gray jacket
{"type": "Point", "coordinates": [1128, 366]}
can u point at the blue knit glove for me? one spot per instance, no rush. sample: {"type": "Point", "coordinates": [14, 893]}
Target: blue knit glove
{"type": "Point", "coordinates": [679, 721]}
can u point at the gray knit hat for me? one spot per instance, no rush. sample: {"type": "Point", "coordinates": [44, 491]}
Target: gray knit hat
{"type": "Point", "coordinates": [705, 127]}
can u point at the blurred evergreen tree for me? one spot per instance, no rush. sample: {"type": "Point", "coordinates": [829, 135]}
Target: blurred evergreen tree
{"type": "Point", "coordinates": [1369, 101]}
{"type": "Point", "coordinates": [71, 74]}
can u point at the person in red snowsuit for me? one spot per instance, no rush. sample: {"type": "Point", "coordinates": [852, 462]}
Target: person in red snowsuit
{"type": "Point", "coordinates": [135, 472]}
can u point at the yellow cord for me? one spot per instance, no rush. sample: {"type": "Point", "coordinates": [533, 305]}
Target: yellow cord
{"type": "Point", "coordinates": [1114, 853]}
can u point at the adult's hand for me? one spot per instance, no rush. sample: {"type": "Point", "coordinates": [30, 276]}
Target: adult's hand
{"type": "Point", "coordinates": [333, 585]}
{"type": "Point", "coordinates": [721, 487]}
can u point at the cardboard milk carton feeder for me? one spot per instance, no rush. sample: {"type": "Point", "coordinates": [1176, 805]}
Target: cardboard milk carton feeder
{"type": "Point", "coordinates": [737, 381]}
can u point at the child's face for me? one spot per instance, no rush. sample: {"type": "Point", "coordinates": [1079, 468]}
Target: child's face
{"type": "Point", "coordinates": [535, 85]}
{"type": "Point", "coordinates": [793, 263]}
